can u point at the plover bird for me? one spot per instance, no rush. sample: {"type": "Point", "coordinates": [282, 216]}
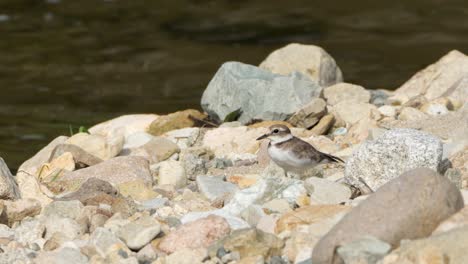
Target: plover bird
{"type": "Point", "coordinates": [293, 154]}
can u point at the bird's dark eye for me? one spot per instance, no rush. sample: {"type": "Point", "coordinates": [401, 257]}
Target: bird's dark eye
{"type": "Point", "coordinates": [275, 131]}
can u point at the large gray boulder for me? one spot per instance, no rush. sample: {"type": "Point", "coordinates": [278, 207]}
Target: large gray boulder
{"type": "Point", "coordinates": [394, 152]}
{"type": "Point", "coordinates": [259, 94]}
{"type": "Point", "coordinates": [409, 207]}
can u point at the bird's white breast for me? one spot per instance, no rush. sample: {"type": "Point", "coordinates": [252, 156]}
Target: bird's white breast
{"type": "Point", "coordinates": [287, 159]}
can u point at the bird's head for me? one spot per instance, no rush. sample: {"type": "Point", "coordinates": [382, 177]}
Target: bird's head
{"type": "Point", "coordinates": [277, 133]}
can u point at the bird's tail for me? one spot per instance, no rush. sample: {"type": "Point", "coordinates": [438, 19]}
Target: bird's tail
{"type": "Point", "coordinates": [332, 158]}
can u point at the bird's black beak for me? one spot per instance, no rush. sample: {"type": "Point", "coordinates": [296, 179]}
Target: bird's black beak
{"type": "Point", "coordinates": [262, 137]}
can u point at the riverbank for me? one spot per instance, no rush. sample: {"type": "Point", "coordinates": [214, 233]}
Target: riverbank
{"type": "Point", "coordinates": [193, 187]}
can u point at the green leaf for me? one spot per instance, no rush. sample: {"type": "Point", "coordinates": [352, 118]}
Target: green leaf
{"type": "Point", "coordinates": [233, 116]}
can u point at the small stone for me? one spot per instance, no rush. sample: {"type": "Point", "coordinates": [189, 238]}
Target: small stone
{"type": "Point", "coordinates": [196, 234]}
{"type": "Point", "coordinates": [147, 254]}
{"type": "Point", "coordinates": [70, 228]}
{"type": "Point", "coordinates": [80, 157]}
{"type": "Point", "coordinates": [20, 209]}
{"type": "Point", "coordinates": [346, 91]}
{"type": "Point", "coordinates": [29, 231]}
{"type": "Point", "coordinates": [310, 114]}
{"type": "Point", "coordinates": [95, 145]}
{"type": "Point", "coordinates": [55, 169]}
{"type": "Point", "coordinates": [154, 203]}
{"type": "Point", "coordinates": [156, 150]}
{"type": "Point", "coordinates": [172, 172]}
{"type": "Point", "coordinates": [413, 207]}
{"type": "Point", "coordinates": [434, 109]}
{"type": "Point", "coordinates": [214, 187]}
{"type": "Point", "coordinates": [411, 114]}
{"type": "Point", "coordinates": [323, 191]}
{"type": "Point", "coordinates": [177, 120]}
{"type": "Point", "coordinates": [396, 151]}
{"type": "Point", "coordinates": [387, 110]}
{"type": "Point", "coordinates": [252, 214]}
{"type": "Point", "coordinates": [136, 140]}
{"type": "Point", "coordinates": [68, 209]}
{"type": "Point", "coordinates": [324, 125]}
{"type": "Point", "coordinates": [278, 206]}
{"type": "Point", "coordinates": [241, 86]}
{"type": "Point", "coordinates": [139, 232]}
{"type": "Point", "coordinates": [310, 60]}
{"type": "Point", "coordinates": [104, 242]}
{"type": "Point", "coordinates": [195, 161]}
{"type": "Point", "coordinates": [8, 187]}
{"type": "Point", "coordinates": [138, 190]}
{"type": "Point", "coordinates": [116, 170]}
{"type": "Point", "coordinates": [379, 97]}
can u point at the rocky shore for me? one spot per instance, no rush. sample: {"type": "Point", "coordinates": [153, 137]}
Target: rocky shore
{"type": "Point", "coordinates": [197, 187]}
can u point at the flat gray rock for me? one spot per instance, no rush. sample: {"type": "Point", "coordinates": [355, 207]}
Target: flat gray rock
{"type": "Point", "coordinates": [214, 187]}
{"type": "Point", "coordinates": [408, 207]}
{"type": "Point", "coordinates": [323, 191]}
{"type": "Point", "coordinates": [259, 94]}
{"type": "Point", "coordinates": [393, 153]}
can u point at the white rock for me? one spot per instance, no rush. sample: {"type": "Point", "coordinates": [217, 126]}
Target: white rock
{"type": "Point", "coordinates": [323, 191]}
{"type": "Point", "coordinates": [307, 59]}
{"type": "Point", "coordinates": [172, 172]}
{"type": "Point", "coordinates": [98, 145]}
{"type": "Point", "coordinates": [387, 110]}
{"type": "Point", "coordinates": [130, 123]}
{"type": "Point", "coordinates": [140, 232]}
{"type": "Point", "coordinates": [67, 226]}
{"type": "Point", "coordinates": [29, 231]}
{"type": "Point", "coordinates": [214, 187]}
{"type": "Point", "coordinates": [105, 242]}
{"type": "Point", "coordinates": [393, 153]}
{"type": "Point", "coordinates": [137, 139]}
{"type": "Point", "coordinates": [434, 109]}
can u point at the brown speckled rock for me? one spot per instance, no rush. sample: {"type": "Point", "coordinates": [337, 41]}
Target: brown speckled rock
{"type": "Point", "coordinates": [408, 207]}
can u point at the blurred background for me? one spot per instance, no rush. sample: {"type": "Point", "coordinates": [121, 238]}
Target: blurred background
{"type": "Point", "coordinates": [76, 63]}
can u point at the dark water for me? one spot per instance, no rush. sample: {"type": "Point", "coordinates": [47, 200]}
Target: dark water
{"type": "Point", "coordinates": [77, 63]}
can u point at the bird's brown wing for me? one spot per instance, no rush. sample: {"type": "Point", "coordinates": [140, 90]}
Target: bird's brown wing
{"type": "Point", "coordinates": [304, 150]}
